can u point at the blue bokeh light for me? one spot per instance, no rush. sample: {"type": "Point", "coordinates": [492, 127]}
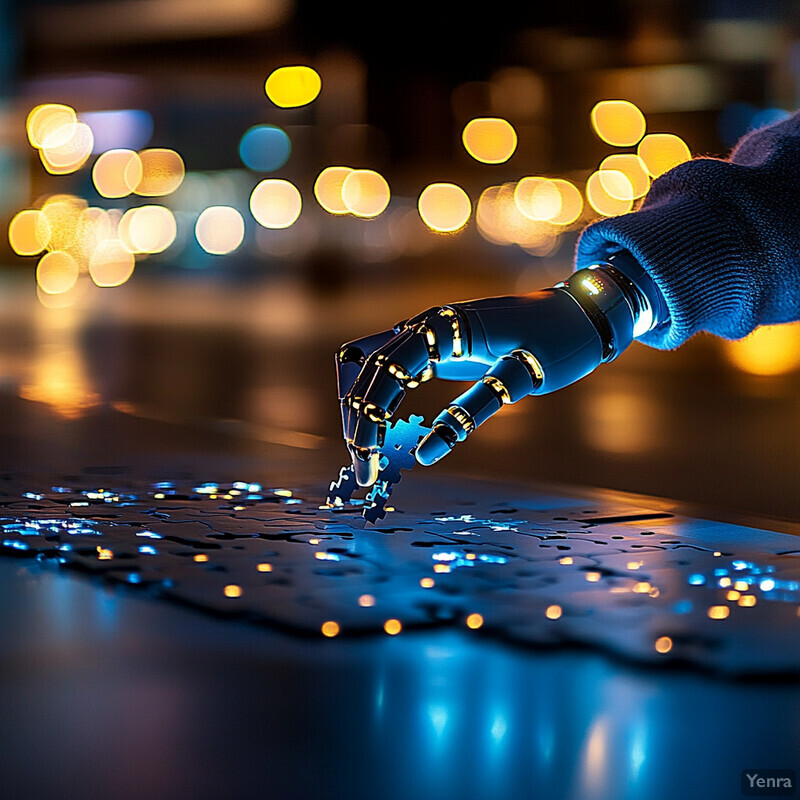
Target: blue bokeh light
{"type": "Point", "coordinates": [264, 148]}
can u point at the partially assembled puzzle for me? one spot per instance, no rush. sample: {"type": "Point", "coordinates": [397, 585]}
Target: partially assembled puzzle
{"type": "Point", "coordinates": [533, 567]}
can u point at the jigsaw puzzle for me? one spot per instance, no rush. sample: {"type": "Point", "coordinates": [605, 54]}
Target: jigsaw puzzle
{"type": "Point", "coordinates": [542, 570]}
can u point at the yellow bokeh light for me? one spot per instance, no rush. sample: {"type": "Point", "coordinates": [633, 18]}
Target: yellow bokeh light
{"type": "Point", "coordinates": [117, 173]}
{"type": "Point", "coordinates": [553, 612]}
{"type": "Point", "coordinates": [633, 168]}
{"type": "Point", "coordinates": [328, 189]}
{"type": "Point", "coordinates": [264, 567]}
{"type": "Point", "coordinates": [200, 558]}
{"type": "Point", "coordinates": [275, 203]}
{"type": "Point", "coordinates": [365, 193]}
{"type": "Point", "coordinates": [148, 229]}
{"type": "Point", "coordinates": [56, 272]}
{"type": "Point", "coordinates": [718, 612]}
{"type": "Point", "coordinates": [64, 214]}
{"type": "Point", "coordinates": [565, 560]}
{"type": "Point", "coordinates": [232, 590]}
{"type": "Point", "coordinates": [111, 264]}
{"type": "Point", "coordinates": [768, 351]}
{"type": "Point", "coordinates": [474, 621]}
{"type": "Point", "coordinates": [330, 629]}
{"type": "Point", "coordinates": [663, 644]}
{"type": "Point", "coordinates": [163, 172]}
{"type": "Point", "coordinates": [747, 601]}
{"type": "Point", "coordinates": [592, 577]}
{"type": "Point", "coordinates": [28, 232]}
{"type": "Point", "coordinates": [444, 207]}
{"type": "Point", "coordinates": [618, 122]}
{"type": "Point", "coordinates": [290, 87]}
{"type": "Point", "coordinates": [490, 140]}
{"type": "Point", "coordinates": [427, 583]}
{"type": "Point", "coordinates": [49, 122]}
{"type": "Point", "coordinates": [599, 198]}
{"type": "Point", "coordinates": [67, 149]}
{"type": "Point", "coordinates": [366, 601]}
{"type": "Point", "coordinates": [660, 152]}
{"type": "Point", "coordinates": [219, 229]}
{"type": "Point", "coordinates": [538, 199]}
{"type": "Point", "coordinates": [392, 626]}
{"type": "Point", "coordinates": [571, 202]}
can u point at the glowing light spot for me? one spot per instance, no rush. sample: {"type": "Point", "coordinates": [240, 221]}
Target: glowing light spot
{"type": "Point", "coordinates": [663, 644]}
{"type": "Point", "coordinates": [427, 583]}
{"type": "Point", "coordinates": [162, 172]}
{"type": "Point", "coordinates": [313, 541]}
{"type": "Point", "coordinates": [104, 554]}
{"type": "Point", "coordinates": [724, 582]}
{"type": "Point", "coordinates": [290, 87]}
{"type": "Point", "coordinates": [633, 168]}
{"type": "Point", "coordinates": [637, 564]}
{"type": "Point", "coordinates": [28, 232]}
{"type": "Point", "coordinates": [599, 198]}
{"type": "Point", "coordinates": [441, 568]}
{"type": "Point", "coordinates": [766, 585]}
{"type": "Point", "coordinates": [147, 229]}
{"type": "Point", "coordinates": [328, 189]}
{"type": "Point", "coordinates": [232, 590]}
{"type": "Point", "coordinates": [592, 577]}
{"type": "Point", "coordinates": [330, 629]}
{"type": "Point", "coordinates": [366, 601]}
{"type": "Point", "coordinates": [219, 230]}
{"type": "Point", "coordinates": [618, 122]}
{"type": "Point", "coordinates": [717, 553]}
{"type": "Point", "coordinates": [553, 612]}
{"type": "Point", "coordinates": [643, 587]}
{"type": "Point", "coordinates": [67, 149]}
{"type": "Point", "coordinates": [265, 567]}
{"type": "Point", "coordinates": [444, 207]}
{"type": "Point", "coordinates": [275, 203]}
{"type": "Point", "coordinates": [49, 121]}
{"type": "Point", "coordinates": [200, 558]}
{"type": "Point", "coordinates": [538, 199]}
{"type": "Point", "coordinates": [283, 493]}
{"type": "Point", "coordinates": [566, 560]}
{"type": "Point", "coordinates": [111, 264]}
{"type": "Point", "coordinates": [718, 612]}
{"type": "Point", "coordinates": [660, 152]}
{"type": "Point", "coordinates": [741, 586]}
{"type": "Point", "coordinates": [117, 173]}
{"type": "Point", "coordinates": [474, 621]}
{"type": "Point", "coordinates": [770, 350]}
{"type": "Point", "coordinates": [747, 601]}
{"type": "Point", "coordinates": [571, 202]}
{"type": "Point", "coordinates": [392, 626]}
{"type": "Point", "coordinates": [733, 595]}
{"type": "Point", "coordinates": [264, 148]}
{"type": "Point", "coordinates": [490, 140]}
{"type": "Point", "coordinates": [365, 193]}
{"type": "Point", "coordinates": [64, 215]}
{"type": "Point", "coordinates": [56, 272]}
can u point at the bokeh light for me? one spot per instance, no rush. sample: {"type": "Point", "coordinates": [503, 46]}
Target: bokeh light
{"type": "Point", "coordinates": [276, 203]}
{"type": "Point", "coordinates": [330, 628]}
{"type": "Point", "coordinates": [663, 644]}
{"type": "Point", "coordinates": [365, 193]}
{"type": "Point", "coordinates": [111, 264]}
{"type": "Point", "coordinates": [50, 122]}
{"type": "Point", "coordinates": [264, 148]}
{"type": "Point", "coordinates": [769, 350]}
{"type": "Point", "coordinates": [618, 122]}
{"type": "Point", "coordinates": [67, 149]}
{"type": "Point", "coordinates": [56, 272]}
{"type": "Point", "coordinates": [219, 230]}
{"type": "Point", "coordinates": [571, 202]}
{"type": "Point", "coordinates": [474, 621]}
{"type": "Point", "coordinates": [660, 152]}
{"type": "Point", "coordinates": [538, 199]}
{"type": "Point", "coordinates": [290, 87]}
{"type": "Point", "coordinates": [147, 229]}
{"type": "Point", "coordinates": [162, 172]}
{"type": "Point", "coordinates": [117, 173]}
{"type": "Point", "coordinates": [634, 169]}
{"type": "Point", "coordinates": [29, 232]}
{"type": "Point", "coordinates": [444, 207]}
{"type": "Point", "coordinates": [64, 214]}
{"type": "Point", "coordinates": [604, 203]}
{"type": "Point", "coordinates": [328, 189]}
{"type": "Point", "coordinates": [490, 140]}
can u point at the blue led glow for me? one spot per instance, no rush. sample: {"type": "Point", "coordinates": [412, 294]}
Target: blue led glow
{"type": "Point", "coordinates": [683, 606]}
{"type": "Point", "coordinates": [15, 544]}
{"type": "Point", "coordinates": [488, 559]}
{"type": "Point", "coordinates": [134, 577]}
{"type": "Point", "coordinates": [720, 572]}
{"type": "Point", "coordinates": [149, 534]}
{"type": "Point", "coordinates": [265, 148]}
{"type": "Point", "coordinates": [33, 496]}
{"type": "Point", "coordinates": [147, 549]}
{"type": "Point", "coordinates": [739, 565]}
{"type": "Point", "coordinates": [697, 579]}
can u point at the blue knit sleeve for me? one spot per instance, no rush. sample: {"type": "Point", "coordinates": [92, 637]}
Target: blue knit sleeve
{"type": "Point", "coordinates": [721, 238]}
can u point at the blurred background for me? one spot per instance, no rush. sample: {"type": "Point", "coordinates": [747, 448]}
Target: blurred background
{"type": "Point", "coordinates": [204, 200]}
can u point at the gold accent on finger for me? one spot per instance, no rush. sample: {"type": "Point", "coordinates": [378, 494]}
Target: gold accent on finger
{"type": "Point", "coordinates": [498, 387]}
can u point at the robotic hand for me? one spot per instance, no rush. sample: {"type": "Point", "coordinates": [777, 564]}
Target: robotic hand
{"type": "Point", "coordinates": [511, 346]}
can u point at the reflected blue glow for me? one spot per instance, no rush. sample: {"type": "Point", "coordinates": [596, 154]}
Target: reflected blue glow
{"type": "Point", "coordinates": [126, 128]}
{"type": "Point", "coordinates": [265, 148]}
{"type": "Point", "coordinates": [697, 580]}
{"type": "Point", "coordinates": [147, 549]}
{"type": "Point", "coordinates": [438, 718]}
{"type": "Point", "coordinates": [149, 534]}
{"type": "Point", "coordinates": [499, 727]}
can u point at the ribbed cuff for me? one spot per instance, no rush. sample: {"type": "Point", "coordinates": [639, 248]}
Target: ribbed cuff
{"type": "Point", "coordinates": [696, 253]}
